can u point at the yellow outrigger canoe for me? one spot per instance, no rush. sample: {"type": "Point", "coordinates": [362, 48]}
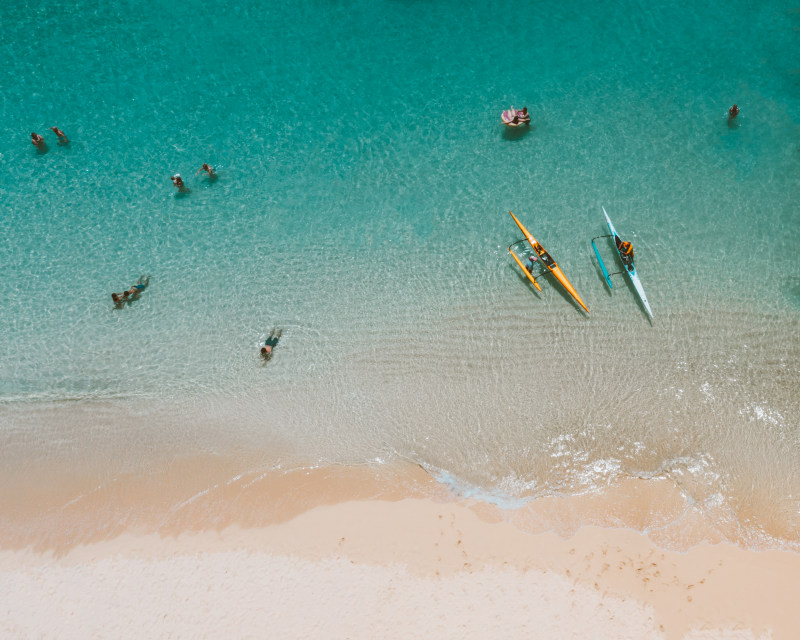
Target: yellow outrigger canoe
{"type": "Point", "coordinates": [547, 261]}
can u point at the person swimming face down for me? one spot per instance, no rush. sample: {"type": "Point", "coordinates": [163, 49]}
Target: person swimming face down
{"type": "Point", "coordinates": [62, 138]}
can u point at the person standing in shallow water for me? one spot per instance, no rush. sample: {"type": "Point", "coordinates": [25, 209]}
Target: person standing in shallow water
{"type": "Point", "coordinates": [38, 141]}
{"type": "Point", "coordinates": [179, 184]}
{"type": "Point", "coordinates": [732, 113]}
{"type": "Point", "coordinates": [270, 344]}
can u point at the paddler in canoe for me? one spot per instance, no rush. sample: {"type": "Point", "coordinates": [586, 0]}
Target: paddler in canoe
{"type": "Point", "coordinates": [544, 259]}
{"type": "Point", "coordinates": [625, 250]}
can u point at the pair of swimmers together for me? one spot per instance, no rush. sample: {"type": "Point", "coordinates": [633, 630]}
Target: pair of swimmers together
{"type": "Point", "coordinates": [39, 142]}
{"type": "Point", "coordinates": [180, 185]}
{"type": "Point", "coordinates": [131, 294]}
{"type": "Point", "coordinates": [136, 290]}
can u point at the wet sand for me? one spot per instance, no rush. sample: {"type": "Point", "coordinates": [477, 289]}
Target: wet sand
{"type": "Point", "coordinates": [365, 552]}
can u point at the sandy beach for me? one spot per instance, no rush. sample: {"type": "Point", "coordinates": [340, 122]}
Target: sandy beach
{"type": "Point", "coordinates": [353, 553]}
{"type": "Point", "coordinates": [438, 446]}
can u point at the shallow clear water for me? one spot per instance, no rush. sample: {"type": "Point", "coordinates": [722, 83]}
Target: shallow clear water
{"type": "Point", "coordinates": [364, 183]}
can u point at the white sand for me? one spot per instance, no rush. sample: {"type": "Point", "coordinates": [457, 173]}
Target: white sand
{"type": "Point", "coordinates": [413, 568]}
{"type": "Point", "coordinates": [244, 595]}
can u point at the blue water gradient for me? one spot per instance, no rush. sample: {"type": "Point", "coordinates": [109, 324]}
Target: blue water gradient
{"type": "Point", "coordinates": [364, 183]}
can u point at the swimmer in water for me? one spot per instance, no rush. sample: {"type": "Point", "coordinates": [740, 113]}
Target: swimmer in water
{"type": "Point", "coordinates": [62, 138]}
{"type": "Point", "coordinates": [136, 290]}
{"type": "Point", "coordinates": [209, 170]}
{"type": "Point", "coordinates": [178, 182]}
{"type": "Point", "coordinates": [131, 294]}
{"type": "Point", "coordinates": [270, 344]}
{"type": "Point", "coordinates": [38, 142]}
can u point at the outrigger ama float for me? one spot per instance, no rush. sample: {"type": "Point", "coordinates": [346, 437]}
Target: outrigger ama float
{"type": "Point", "coordinates": [625, 253]}
{"type": "Point", "coordinates": [546, 260]}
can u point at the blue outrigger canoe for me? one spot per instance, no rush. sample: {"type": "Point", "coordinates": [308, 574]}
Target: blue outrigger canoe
{"type": "Point", "coordinates": [627, 264]}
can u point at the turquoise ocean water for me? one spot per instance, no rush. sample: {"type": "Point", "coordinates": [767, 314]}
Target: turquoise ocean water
{"type": "Point", "coordinates": [362, 205]}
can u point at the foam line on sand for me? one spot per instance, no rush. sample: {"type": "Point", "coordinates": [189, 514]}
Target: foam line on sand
{"type": "Point", "coordinates": [410, 568]}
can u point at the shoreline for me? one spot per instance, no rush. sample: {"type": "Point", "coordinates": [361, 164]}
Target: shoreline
{"type": "Point", "coordinates": [601, 583]}
{"type": "Point", "coordinates": [359, 552]}
{"type": "Point", "coordinates": [56, 508]}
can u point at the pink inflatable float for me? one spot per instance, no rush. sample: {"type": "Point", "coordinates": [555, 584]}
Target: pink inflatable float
{"type": "Point", "coordinates": [515, 117]}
